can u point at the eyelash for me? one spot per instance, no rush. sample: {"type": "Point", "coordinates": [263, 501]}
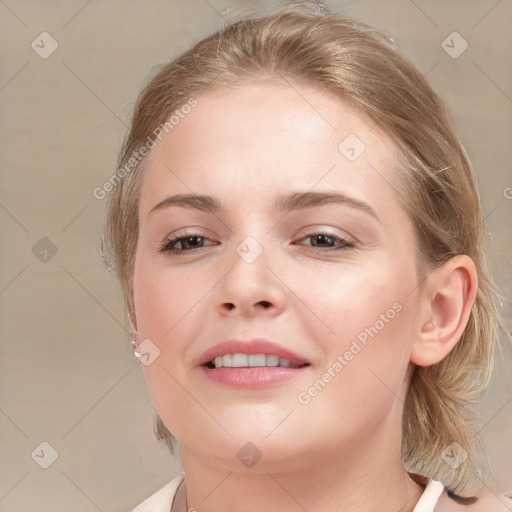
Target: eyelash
{"type": "Point", "coordinates": [167, 245]}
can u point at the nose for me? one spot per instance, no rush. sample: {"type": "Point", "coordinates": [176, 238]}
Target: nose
{"type": "Point", "coordinates": [251, 288]}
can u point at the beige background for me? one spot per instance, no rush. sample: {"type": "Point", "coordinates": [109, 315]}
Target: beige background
{"type": "Point", "coordinates": [67, 374]}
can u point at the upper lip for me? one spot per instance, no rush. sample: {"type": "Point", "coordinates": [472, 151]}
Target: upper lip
{"type": "Point", "coordinates": [253, 346]}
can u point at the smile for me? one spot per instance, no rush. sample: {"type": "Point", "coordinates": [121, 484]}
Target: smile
{"type": "Point", "coordinates": [238, 360]}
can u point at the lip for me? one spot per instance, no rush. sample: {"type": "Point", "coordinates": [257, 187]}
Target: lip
{"type": "Point", "coordinates": [253, 378]}
{"type": "Point", "coordinates": [253, 346]}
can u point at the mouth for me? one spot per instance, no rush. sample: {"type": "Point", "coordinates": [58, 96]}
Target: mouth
{"type": "Point", "coordinates": [240, 360]}
{"type": "Point", "coordinates": [253, 377]}
{"type": "Point", "coordinates": [251, 364]}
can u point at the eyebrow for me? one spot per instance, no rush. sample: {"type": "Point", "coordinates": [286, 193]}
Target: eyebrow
{"type": "Point", "coordinates": [285, 203]}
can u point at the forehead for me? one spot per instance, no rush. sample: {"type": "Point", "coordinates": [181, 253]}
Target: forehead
{"type": "Point", "coordinates": [260, 139]}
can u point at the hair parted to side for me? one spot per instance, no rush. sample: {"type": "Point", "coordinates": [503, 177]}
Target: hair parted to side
{"type": "Point", "coordinates": [361, 65]}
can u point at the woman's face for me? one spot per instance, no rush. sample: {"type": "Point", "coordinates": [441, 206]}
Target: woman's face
{"type": "Point", "coordinates": [333, 282]}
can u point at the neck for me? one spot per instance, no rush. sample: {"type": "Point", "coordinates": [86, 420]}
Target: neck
{"type": "Point", "coordinates": [363, 477]}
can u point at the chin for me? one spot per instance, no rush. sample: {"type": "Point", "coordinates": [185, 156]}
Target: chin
{"type": "Point", "coordinates": [257, 457]}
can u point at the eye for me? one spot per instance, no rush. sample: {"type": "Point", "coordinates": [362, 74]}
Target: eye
{"type": "Point", "coordinates": [327, 238]}
{"type": "Point", "coordinates": [187, 242]}
{"type": "Point", "coordinates": [190, 241]}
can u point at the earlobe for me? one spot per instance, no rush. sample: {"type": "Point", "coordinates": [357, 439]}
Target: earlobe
{"type": "Point", "coordinates": [450, 294]}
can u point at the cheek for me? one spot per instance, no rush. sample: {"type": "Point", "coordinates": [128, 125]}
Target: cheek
{"type": "Point", "coordinates": [363, 377]}
{"type": "Point", "coordinates": [164, 299]}
{"type": "Point", "coordinates": [354, 298]}
{"type": "Point", "coordinates": [163, 296]}
{"type": "Point", "coordinates": [370, 315]}
{"type": "Point", "coordinates": [169, 303]}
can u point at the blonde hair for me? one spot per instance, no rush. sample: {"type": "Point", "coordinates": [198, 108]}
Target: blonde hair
{"type": "Point", "coordinates": [361, 65]}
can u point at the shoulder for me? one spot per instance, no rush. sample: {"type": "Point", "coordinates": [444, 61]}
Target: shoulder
{"type": "Point", "coordinates": [487, 501]}
{"type": "Point", "coordinates": [162, 499]}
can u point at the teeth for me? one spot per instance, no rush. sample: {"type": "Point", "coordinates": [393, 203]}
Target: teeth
{"type": "Point", "coordinates": [272, 360]}
{"type": "Point", "coordinates": [257, 360]}
{"type": "Point", "coordinates": [237, 361]}
{"type": "Point", "coordinates": [252, 360]}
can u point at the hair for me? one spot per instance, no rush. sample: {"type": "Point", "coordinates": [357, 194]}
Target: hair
{"type": "Point", "coordinates": [362, 66]}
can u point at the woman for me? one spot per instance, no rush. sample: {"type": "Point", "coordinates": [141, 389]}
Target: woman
{"type": "Point", "coordinates": [298, 235]}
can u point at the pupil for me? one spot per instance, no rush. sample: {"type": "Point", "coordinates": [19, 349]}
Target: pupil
{"type": "Point", "coordinates": [322, 238]}
{"type": "Point", "coordinates": [188, 240]}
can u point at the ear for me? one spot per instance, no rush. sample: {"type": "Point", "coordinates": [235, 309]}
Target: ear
{"type": "Point", "coordinates": [449, 295]}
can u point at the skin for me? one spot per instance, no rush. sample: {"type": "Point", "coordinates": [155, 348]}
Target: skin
{"type": "Point", "coordinates": [340, 451]}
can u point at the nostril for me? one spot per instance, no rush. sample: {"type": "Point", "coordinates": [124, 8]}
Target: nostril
{"type": "Point", "coordinates": [264, 303]}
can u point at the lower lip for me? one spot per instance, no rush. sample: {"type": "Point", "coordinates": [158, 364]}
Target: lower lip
{"type": "Point", "coordinates": [253, 378]}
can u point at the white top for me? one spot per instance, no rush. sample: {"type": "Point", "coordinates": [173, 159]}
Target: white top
{"type": "Point", "coordinates": [162, 500]}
